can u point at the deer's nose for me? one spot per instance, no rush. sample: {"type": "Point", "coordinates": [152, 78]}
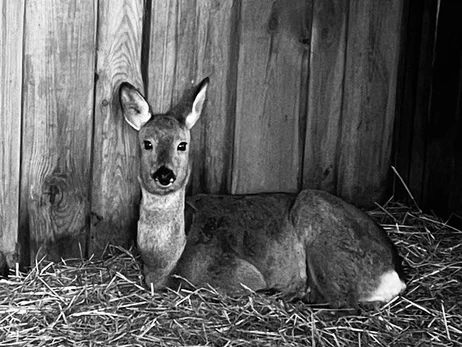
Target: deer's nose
{"type": "Point", "coordinates": [164, 176]}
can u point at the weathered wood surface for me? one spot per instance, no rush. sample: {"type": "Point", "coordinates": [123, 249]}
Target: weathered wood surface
{"type": "Point", "coordinates": [443, 164]}
{"type": "Point", "coordinates": [188, 42]}
{"type": "Point", "coordinates": [11, 38]}
{"type": "Point", "coordinates": [217, 56]}
{"type": "Point", "coordinates": [414, 101]}
{"type": "Point", "coordinates": [428, 135]}
{"type": "Point", "coordinates": [172, 63]}
{"type": "Point", "coordinates": [267, 143]}
{"type": "Point", "coordinates": [172, 52]}
{"type": "Point", "coordinates": [302, 95]}
{"type": "Point", "coordinates": [369, 100]}
{"type": "Point", "coordinates": [59, 58]}
{"type": "Point", "coordinates": [325, 94]}
{"type": "Point", "coordinates": [115, 187]}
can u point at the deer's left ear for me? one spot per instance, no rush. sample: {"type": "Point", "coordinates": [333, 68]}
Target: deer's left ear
{"type": "Point", "coordinates": [198, 104]}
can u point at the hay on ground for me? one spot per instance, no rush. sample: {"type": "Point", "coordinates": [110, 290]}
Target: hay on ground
{"type": "Point", "coordinates": [104, 303]}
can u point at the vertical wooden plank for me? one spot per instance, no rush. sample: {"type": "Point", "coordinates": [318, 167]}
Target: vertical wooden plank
{"type": "Point", "coordinates": [173, 50]}
{"type": "Point", "coordinates": [190, 40]}
{"type": "Point", "coordinates": [443, 164]}
{"type": "Point", "coordinates": [454, 185]}
{"type": "Point", "coordinates": [414, 103]}
{"type": "Point", "coordinates": [267, 146]}
{"type": "Point", "coordinates": [59, 54]}
{"type": "Point", "coordinates": [405, 101]}
{"type": "Point", "coordinates": [217, 56]}
{"type": "Point", "coordinates": [422, 104]}
{"type": "Point", "coordinates": [369, 99]}
{"type": "Point", "coordinates": [11, 38]}
{"type": "Point", "coordinates": [327, 68]}
{"type": "Point", "coordinates": [115, 191]}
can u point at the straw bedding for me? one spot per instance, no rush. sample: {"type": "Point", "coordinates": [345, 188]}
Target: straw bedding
{"type": "Point", "coordinates": [103, 303]}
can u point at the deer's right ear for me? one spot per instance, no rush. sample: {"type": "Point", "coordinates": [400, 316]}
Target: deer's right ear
{"type": "Point", "coordinates": [134, 106]}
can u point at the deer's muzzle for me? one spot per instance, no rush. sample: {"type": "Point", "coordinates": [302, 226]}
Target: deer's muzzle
{"type": "Point", "coordinates": [164, 176]}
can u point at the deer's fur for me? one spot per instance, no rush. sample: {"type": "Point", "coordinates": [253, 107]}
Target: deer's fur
{"type": "Point", "coordinates": [311, 245]}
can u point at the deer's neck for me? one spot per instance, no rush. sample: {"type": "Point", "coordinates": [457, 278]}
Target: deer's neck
{"type": "Point", "coordinates": [161, 235]}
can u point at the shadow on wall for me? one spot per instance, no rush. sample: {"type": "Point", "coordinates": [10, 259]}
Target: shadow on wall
{"type": "Point", "coordinates": [3, 266]}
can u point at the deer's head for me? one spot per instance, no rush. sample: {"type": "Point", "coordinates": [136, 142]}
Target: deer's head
{"type": "Point", "coordinates": [164, 139]}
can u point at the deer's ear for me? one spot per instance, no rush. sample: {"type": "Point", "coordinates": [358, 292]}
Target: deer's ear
{"type": "Point", "coordinates": [134, 106]}
{"type": "Point", "coordinates": [198, 104]}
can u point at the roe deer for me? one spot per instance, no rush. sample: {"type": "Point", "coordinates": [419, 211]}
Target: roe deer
{"type": "Point", "coordinates": [311, 245]}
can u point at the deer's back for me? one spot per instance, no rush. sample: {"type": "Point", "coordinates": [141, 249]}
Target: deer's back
{"type": "Point", "coordinates": [228, 235]}
{"type": "Point", "coordinates": [267, 241]}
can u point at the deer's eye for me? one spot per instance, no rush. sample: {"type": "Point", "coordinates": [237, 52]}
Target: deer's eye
{"type": "Point", "coordinates": [182, 146]}
{"type": "Point", "coordinates": [147, 145]}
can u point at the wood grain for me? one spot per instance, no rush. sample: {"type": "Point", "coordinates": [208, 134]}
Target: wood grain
{"type": "Point", "coordinates": [217, 56]}
{"type": "Point", "coordinates": [369, 100]}
{"type": "Point", "coordinates": [325, 94]}
{"type": "Point", "coordinates": [173, 50]}
{"type": "Point", "coordinates": [443, 164]}
{"type": "Point", "coordinates": [267, 142]}
{"type": "Point", "coordinates": [413, 141]}
{"type": "Point", "coordinates": [11, 27]}
{"type": "Point", "coordinates": [59, 53]}
{"type": "Point", "coordinates": [115, 187]}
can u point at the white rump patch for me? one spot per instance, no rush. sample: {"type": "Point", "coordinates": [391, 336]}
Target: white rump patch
{"type": "Point", "coordinates": [390, 286]}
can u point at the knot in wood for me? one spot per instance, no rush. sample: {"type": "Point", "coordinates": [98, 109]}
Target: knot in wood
{"type": "Point", "coordinates": [273, 22]}
{"type": "Point", "coordinates": [53, 188]}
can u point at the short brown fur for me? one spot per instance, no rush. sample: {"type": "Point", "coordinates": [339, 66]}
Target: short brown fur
{"type": "Point", "coordinates": [311, 245]}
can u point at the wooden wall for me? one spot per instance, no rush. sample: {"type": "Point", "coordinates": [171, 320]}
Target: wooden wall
{"type": "Point", "coordinates": [302, 94]}
{"type": "Point", "coordinates": [11, 28]}
{"type": "Point", "coordinates": [428, 144]}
